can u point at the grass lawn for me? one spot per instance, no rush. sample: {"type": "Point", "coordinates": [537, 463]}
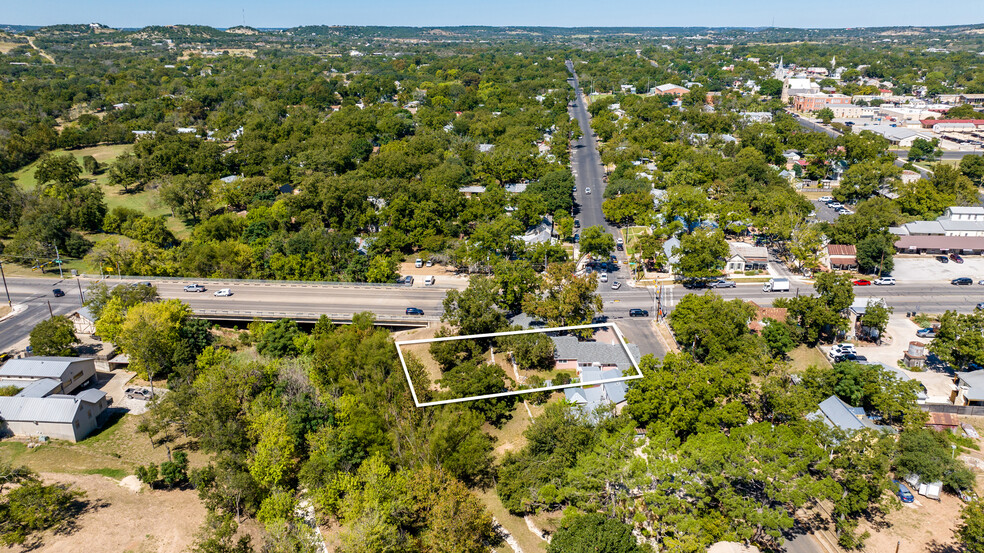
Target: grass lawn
{"type": "Point", "coordinates": [804, 357]}
{"type": "Point", "coordinates": [104, 154]}
{"type": "Point", "coordinates": [632, 234]}
{"type": "Point", "coordinates": [113, 451]}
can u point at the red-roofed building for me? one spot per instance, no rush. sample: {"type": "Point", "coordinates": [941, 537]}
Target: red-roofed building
{"type": "Point", "coordinates": [943, 421]}
{"type": "Point", "coordinates": [843, 257]}
{"type": "Point", "coordinates": [762, 313]}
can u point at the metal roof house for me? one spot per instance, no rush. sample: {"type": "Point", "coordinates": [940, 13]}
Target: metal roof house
{"type": "Point", "coordinates": [591, 397]}
{"type": "Point", "coordinates": [570, 353]}
{"type": "Point", "coordinates": [837, 414]}
{"type": "Point", "coordinates": [970, 388]}
{"type": "Point", "coordinates": [56, 416]}
{"type": "Point", "coordinates": [43, 406]}
{"type": "Point", "coordinates": [70, 372]}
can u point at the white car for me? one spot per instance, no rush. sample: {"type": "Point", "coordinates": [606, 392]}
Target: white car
{"type": "Point", "coordinates": [223, 293]}
{"type": "Point", "coordinates": [844, 211]}
{"type": "Point", "coordinates": [835, 205]}
{"type": "Point", "coordinates": [430, 263]}
{"type": "Point", "coordinates": [616, 285]}
{"type": "Point", "coordinates": [826, 199]}
{"type": "Point", "coordinates": [842, 349]}
{"type": "Point", "coordinates": [884, 281]}
{"type": "Point", "coordinates": [604, 277]}
{"type": "Point", "coordinates": [587, 190]}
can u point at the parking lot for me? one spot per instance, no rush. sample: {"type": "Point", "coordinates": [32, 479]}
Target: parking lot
{"type": "Point", "coordinates": [928, 269]}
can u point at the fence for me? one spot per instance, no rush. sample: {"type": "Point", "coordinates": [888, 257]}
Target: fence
{"type": "Point", "coordinates": [975, 410]}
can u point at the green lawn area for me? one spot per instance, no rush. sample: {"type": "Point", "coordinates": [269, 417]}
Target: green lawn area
{"type": "Point", "coordinates": [113, 451]}
{"type": "Point", "coordinates": [103, 154]}
{"type": "Point", "coordinates": [632, 234]}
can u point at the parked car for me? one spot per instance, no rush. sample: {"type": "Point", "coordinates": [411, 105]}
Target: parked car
{"type": "Point", "coordinates": [844, 211]}
{"type": "Point", "coordinates": [415, 311]}
{"type": "Point", "coordinates": [194, 288]}
{"type": "Point", "coordinates": [407, 280]}
{"type": "Point", "coordinates": [904, 493]}
{"type": "Point", "coordinates": [835, 205]}
{"type": "Point", "coordinates": [962, 281]}
{"type": "Point", "coordinates": [619, 247]}
{"type": "Point", "coordinates": [418, 263]}
{"type": "Point", "coordinates": [430, 263]}
{"type": "Point", "coordinates": [58, 292]}
{"type": "Point", "coordinates": [851, 357]}
{"type": "Point", "coordinates": [723, 283]}
{"type": "Point", "coordinates": [861, 282]}
{"type": "Point", "coordinates": [956, 258]}
{"type": "Point", "coordinates": [616, 285]}
{"type": "Point", "coordinates": [577, 223]}
{"type": "Point", "coordinates": [223, 293]}
{"type": "Point", "coordinates": [604, 277]}
{"type": "Point", "coordinates": [826, 199]}
{"type": "Point", "coordinates": [885, 281]}
{"type": "Point", "coordinates": [841, 349]}
{"type": "Point", "coordinates": [942, 259]}
{"type": "Point", "coordinates": [931, 332]}
{"type": "Point", "coordinates": [139, 284]}
{"type": "Point", "coordinates": [638, 313]}
{"type": "Point", "coordinates": [138, 393]}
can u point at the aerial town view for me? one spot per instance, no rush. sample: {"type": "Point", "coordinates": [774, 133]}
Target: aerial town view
{"type": "Point", "coordinates": [428, 277]}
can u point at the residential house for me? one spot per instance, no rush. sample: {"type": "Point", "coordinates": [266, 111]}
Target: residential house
{"type": "Point", "coordinates": [746, 257]}
{"type": "Point", "coordinates": [762, 313]}
{"type": "Point", "coordinates": [43, 405]}
{"type": "Point", "coordinates": [843, 257]}
{"type": "Point", "coordinates": [970, 388]}
{"type": "Point", "coordinates": [603, 354]}
{"type": "Point", "coordinates": [837, 414]}
{"type": "Point", "coordinates": [670, 250]}
{"type": "Point", "coordinates": [591, 397]}
{"type": "Point", "coordinates": [542, 233]}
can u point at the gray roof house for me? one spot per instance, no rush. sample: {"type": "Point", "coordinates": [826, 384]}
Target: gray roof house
{"type": "Point", "coordinates": [592, 397]}
{"type": "Point", "coordinates": [69, 372]}
{"type": "Point", "coordinates": [970, 388]}
{"type": "Point", "coordinates": [84, 321]}
{"type": "Point", "coordinates": [43, 406]}
{"type": "Point", "coordinates": [837, 414]}
{"type": "Point", "coordinates": [569, 349]}
{"type": "Point", "coordinates": [671, 258]}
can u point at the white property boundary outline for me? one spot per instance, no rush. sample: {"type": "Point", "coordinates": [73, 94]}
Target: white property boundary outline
{"type": "Point", "coordinates": [612, 326]}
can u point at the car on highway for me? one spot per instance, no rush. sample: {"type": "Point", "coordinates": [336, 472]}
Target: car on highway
{"type": "Point", "coordinates": [956, 258]}
{"type": "Point", "coordinates": [723, 283]}
{"type": "Point", "coordinates": [616, 285]}
{"type": "Point", "coordinates": [223, 293]}
{"type": "Point", "coordinates": [58, 292]}
{"type": "Point", "coordinates": [903, 492]}
{"type": "Point", "coordinates": [942, 259]}
{"type": "Point", "coordinates": [962, 281]}
{"type": "Point", "coordinates": [415, 311]}
{"type": "Point", "coordinates": [928, 332]}
{"type": "Point", "coordinates": [861, 282]}
{"type": "Point", "coordinates": [885, 281]}
{"type": "Point", "coordinates": [638, 313]}
{"type": "Point", "coordinates": [194, 288]}
{"type": "Point", "coordinates": [979, 306]}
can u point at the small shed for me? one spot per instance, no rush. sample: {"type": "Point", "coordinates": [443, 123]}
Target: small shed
{"type": "Point", "coordinates": [120, 362]}
{"type": "Point", "coordinates": [915, 356]}
{"type": "Point", "coordinates": [84, 321]}
{"type": "Point", "coordinates": [943, 421]}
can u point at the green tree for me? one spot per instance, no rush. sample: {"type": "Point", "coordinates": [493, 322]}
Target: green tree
{"type": "Point", "coordinates": [960, 339]}
{"type": "Point", "coordinates": [58, 175]}
{"type": "Point", "coordinates": [474, 310]}
{"type": "Point", "coordinates": [382, 269]}
{"type": "Point", "coordinates": [924, 150]}
{"type": "Point", "coordinates": [150, 334]}
{"type": "Point", "coordinates": [972, 167]}
{"type": "Point", "coordinates": [875, 253]}
{"type": "Point", "coordinates": [836, 290]}
{"type": "Point", "coordinates": [971, 529]}
{"type": "Point", "coordinates": [711, 328]}
{"type": "Point", "coordinates": [124, 171]}
{"type": "Point", "coordinates": [826, 115]}
{"type": "Point", "coordinates": [54, 337]}
{"type": "Point", "coordinates": [35, 507]}
{"type": "Point", "coordinates": [597, 242]}
{"type": "Point", "coordinates": [515, 280]}
{"type": "Point", "coordinates": [876, 316]}
{"type": "Point", "coordinates": [564, 299]}
{"type": "Point", "coordinates": [188, 196]}
{"type": "Point", "coordinates": [593, 533]}
{"type": "Point", "coordinates": [778, 339]}
{"type": "Point", "coordinates": [279, 339]}
{"type": "Point", "coordinates": [703, 254]}
{"type": "Point", "coordinates": [534, 351]}
{"type": "Point", "coordinates": [927, 454]}
{"type": "Point", "coordinates": [770, 87]}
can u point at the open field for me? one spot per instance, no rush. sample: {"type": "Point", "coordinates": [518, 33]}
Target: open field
{"type": "Point", "coordinates": [104, 154]}
{"type": "Point", "coordinates": [116, 449]}
{"type": "Point", "coordinates": [804, 357]}
{"type": "Point", "coordinates": [8, 46]}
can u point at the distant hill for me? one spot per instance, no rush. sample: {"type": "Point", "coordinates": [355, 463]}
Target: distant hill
{"type": "Point", "coordinates": [243, 30]}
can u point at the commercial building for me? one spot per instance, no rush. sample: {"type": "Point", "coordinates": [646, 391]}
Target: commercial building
{"type": "Point", "coordinates": [842, 257]}
{"type": "Point", "coordinates": [818, 101]}
{"type": "Point", "coordinates": [955, 221]}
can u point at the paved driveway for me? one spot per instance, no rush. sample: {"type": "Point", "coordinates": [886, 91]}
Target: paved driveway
{"type": "Point", "coordinates": [928, 269]}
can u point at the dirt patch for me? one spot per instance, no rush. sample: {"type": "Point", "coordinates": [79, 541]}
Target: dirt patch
{"type": "Point", "coordinates": [924, 525]}
{"type": "Point", "coordinates": [121, 520]}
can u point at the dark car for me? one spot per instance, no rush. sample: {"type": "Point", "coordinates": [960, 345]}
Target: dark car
{"type": "Point", "coordinates": [58, 292]}
{"type": "Point", "coordinates": [956, 258]}
{"type": "Point", "coordinates": [942, 259]}
{"type": "Point", "coordinates": [619, 247]}
{"type": "Point", "coordinates": [962, 281]}
{"type": "Point", "coordinates": [638, 313]}
{"type": "Point", "coordinates": [695, 284]}
{"type": "Point", "coordinates": [415, 311]}
{"type": "Point", "coordinates": [904, 494]}
{"type": "Point", "coordinates": [851, 357]}
{"type": "Point", "coordinates": [577, 223]}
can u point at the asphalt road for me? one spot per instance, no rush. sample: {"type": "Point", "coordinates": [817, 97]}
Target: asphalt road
{"type": "Point", "coordinates": [586, 163]}
{"type": "Point", "coordinates": [807, 124]}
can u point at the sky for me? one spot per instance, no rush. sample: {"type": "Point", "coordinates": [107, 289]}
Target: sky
{"type": "Point", "coordinates": [569, 13]}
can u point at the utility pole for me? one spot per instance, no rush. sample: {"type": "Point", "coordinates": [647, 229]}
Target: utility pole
{"type": "Point", "coordinates": [81, 295]}
{"type": "Point", "coordinates": [5, 285]}
{"type": "Point", "coordinates": [50, 312]}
